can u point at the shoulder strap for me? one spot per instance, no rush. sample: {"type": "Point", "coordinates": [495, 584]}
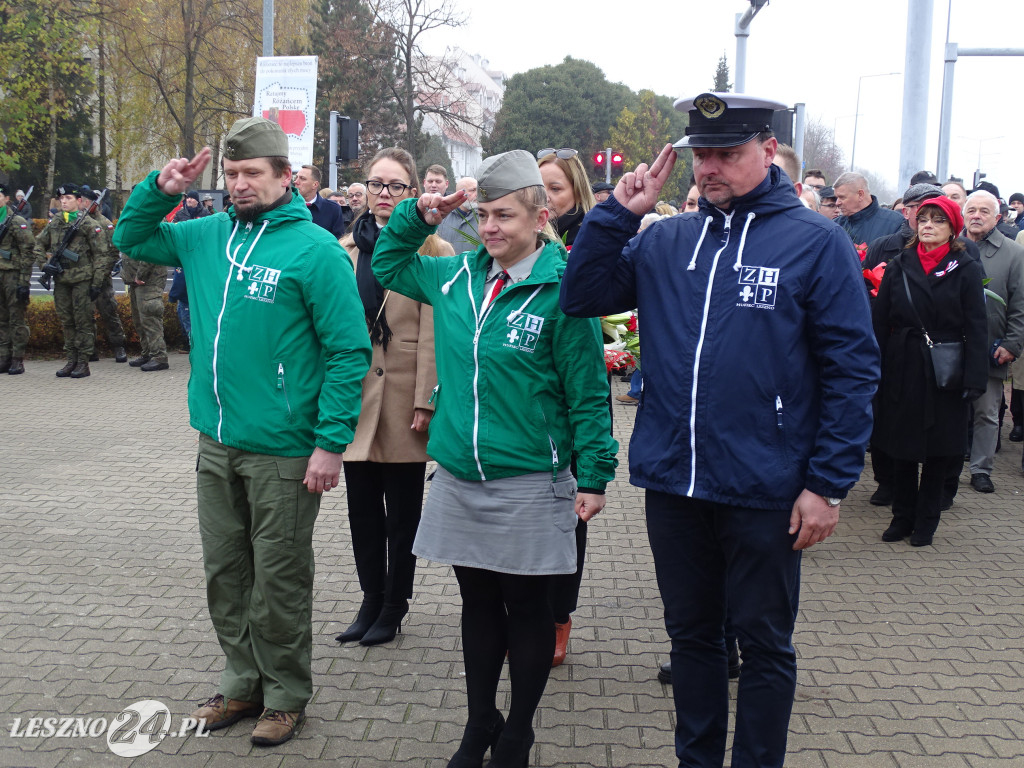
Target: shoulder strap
{"type": "Point", "coordinates": [913, 309]}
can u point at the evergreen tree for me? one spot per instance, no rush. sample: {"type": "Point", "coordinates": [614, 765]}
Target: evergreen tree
{"type": "Point", "coordinates": [722, 84]}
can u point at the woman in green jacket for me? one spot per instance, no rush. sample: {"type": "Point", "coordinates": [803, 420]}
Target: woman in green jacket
{"type": "Point", "coordinates": [520, 388]}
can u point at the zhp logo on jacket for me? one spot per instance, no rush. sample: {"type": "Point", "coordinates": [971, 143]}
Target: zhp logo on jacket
{"type": "Point", "coordinates": [523, 331]}
{"type": "Point", "coordinates": [263, 284]}
{"type": "Point", "coordinates": [759, 286]}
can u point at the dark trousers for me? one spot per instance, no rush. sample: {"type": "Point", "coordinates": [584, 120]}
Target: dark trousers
{"type": "Point", "coordinates": [1017, 406]}
{"type": "Point", "coordinates": [917, 501]}
{"type": "Point", "coordinates": [505, 612]}
{"type": "Point", "coordinates": [564, 588]}
{"type": "Point", "coordinates": [707, 556]}
{"type": "Point", "coordinates": [384, 505]}
{"type": "Point", "coordinates": [881, 466]}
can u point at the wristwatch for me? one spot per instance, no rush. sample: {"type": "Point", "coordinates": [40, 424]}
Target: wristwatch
{"type": "Point", "coordinates": [832, 501]}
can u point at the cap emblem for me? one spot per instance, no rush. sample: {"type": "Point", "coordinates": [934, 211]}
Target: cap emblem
{"type": "Point", "coordinates": [710, 106]}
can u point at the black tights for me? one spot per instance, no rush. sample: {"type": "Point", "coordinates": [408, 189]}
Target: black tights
{"type": "Point", "coordinates": [505, 612]}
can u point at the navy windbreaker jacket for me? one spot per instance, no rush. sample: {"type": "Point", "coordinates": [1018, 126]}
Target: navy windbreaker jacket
{"type": "Point", "coordinates": [759, 360]}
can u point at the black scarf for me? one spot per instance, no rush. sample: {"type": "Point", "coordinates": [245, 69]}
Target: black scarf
{"type": "Point", "coordinates": [371, 292]}
{"type": "Point", "coordinates": [568, 224]}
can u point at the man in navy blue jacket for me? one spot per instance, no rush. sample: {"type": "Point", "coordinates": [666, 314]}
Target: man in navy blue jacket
{"type": "Point", "coordinates": [325, 213]}
{"type": "Point", "coordinates": [759, 368]}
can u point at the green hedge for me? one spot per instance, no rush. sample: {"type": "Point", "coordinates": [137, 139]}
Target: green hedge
{"type": "Point", "coordinates": [46, 337]}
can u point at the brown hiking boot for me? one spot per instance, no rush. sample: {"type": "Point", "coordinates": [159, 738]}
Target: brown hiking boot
{"type": "Point", "coordinates": [81, 370]}
{"type": "Point", "coordinates": [219, 712]}
{"type": "Point", "coordinates": [276, 727]}
{"type": "Point", "coordinates": [69, 366]}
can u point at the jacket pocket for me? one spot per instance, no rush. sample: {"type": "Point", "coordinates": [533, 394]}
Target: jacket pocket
{"type": "Point", "coordinates": [780, 433]}
{"type": "Point", "coordinates": [563, 509]}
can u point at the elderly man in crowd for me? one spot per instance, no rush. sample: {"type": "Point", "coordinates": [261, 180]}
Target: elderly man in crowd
{"type": "Point", "coordinates": [1003, 261]}
{"type": "Point", "coordinates": [860, 214]}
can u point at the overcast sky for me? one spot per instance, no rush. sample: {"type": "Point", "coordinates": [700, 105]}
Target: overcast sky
{"type": "Point", "coordinates": [798, 50]}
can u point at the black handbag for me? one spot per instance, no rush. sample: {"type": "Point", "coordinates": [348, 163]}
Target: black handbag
{"type": "Point", "coordinates": [947, 356]}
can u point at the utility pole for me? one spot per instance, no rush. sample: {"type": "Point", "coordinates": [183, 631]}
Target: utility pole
{"type": "Point", "coordinates": [916, 68]}
{"type": "Point", "coordinates": [742, 32]}
{"type": "Point", "coordinates": [268, 27]}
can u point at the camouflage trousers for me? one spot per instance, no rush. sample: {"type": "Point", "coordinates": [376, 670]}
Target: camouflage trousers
{"type": "Point", "coordinates": [13, 329]}
{"type": "Point", "coordinates": [106, 305]}
{"type": "Point", "coordinates": [148, 316]}
{"type": "Point", "coordinates": [75, 310]}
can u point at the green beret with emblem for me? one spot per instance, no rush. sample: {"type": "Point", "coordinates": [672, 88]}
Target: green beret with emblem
{"type": "Point", "coordinates": [255, 137]}
{"type": "Point", "coordinates": [503, 174]}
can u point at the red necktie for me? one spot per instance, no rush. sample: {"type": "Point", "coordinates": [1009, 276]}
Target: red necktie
{"type": "Point", "coordinates": [498, 285]}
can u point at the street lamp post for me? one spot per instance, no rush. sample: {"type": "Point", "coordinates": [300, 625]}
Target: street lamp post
{"type": "Point", "coordinates": [856, 114]}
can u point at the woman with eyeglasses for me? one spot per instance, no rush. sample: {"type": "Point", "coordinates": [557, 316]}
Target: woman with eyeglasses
{"type": "Point", "coordinates": [386, 461]}
{"type": "Point", "coordinates": [568, 190]}
{"type": "Point", "coordinates": [521, 387]}
{"type": "Point", "coordinates": [931, 292]}
{"type": "Point", "coordinates": [569, 199]}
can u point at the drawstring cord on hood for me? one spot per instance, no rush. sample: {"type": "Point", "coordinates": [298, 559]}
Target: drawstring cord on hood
{"type": "Point", "coordinates": [242, 268]}
{"type": "Point", "coordinates": [693, 260]}
{"type": "Point", "coordinates": [743, 241]}
{"type": "Point", "coordinates": [447, 286]}
{"type": "Point", "coordinates": [512, 316]}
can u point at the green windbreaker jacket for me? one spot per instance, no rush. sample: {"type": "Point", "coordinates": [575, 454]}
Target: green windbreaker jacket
{"type": "Point", "coordinates": [279, 341]}
{"type": "Point", "coordinates": [521, 387]}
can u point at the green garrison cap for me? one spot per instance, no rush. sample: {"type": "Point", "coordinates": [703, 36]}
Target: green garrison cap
{"type": "Point", "coordinates": [503, 174]}
{"type": "Point", "coordinates": [255, 137]}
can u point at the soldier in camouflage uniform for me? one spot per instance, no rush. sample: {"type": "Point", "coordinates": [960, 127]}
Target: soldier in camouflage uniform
{"type": "Point", "coordinates": [79, 285]}
{"type": "Point", "coordinates": [17, 252]}
{"type": "Point", "coordinates": [145, 283]}
{"type": "Point", "coordinates": [106, 305]}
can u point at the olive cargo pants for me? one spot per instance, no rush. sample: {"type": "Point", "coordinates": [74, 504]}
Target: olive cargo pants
{"type": "Point", "coordinates": [256, 521]}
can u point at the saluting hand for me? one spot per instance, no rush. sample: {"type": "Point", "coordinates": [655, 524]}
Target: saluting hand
{"type": "Point", "coordinates": [178, 175]}
{"type": "Point", "coordinates": [638, 190]}
{"type": "Point", "coordinates": [433, 207]}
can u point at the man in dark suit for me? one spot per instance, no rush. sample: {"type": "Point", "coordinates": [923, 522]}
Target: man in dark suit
{"type": "Point", "coordinates": [325, 213]}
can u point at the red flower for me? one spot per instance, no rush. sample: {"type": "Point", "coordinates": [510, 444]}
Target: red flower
{"type": "Point", "coordinates": [862, 250]}
{"type": "Point", "coordinates": [874, 276]}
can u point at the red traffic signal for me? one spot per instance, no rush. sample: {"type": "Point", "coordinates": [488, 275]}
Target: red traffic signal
{"type": "Point", "coordinates": [599, 159]}
{"type": "Point", "coordinates": [616, 160]}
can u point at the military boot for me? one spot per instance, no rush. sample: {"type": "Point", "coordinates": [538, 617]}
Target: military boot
{"type": "Point", "coordinates": [137, 362]}
{"type": "Point", "coordinates": [155, 364]}
{"type": "Point", "coordinates": [17, 366]}
{"type": "Point", "coordinates": [120, 355]}
{"type": "Point", "coordinates": [5, 365]}
{"type": "Point", "coordinates": [94, 357]}
{"type": "Point", "coordinates": [81, 370]}
{"type": "Point", "coordinates": [69, 366]}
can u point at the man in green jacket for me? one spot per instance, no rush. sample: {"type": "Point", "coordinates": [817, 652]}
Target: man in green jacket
{"type": "Point", "coordinates": [279, 351]}
{"type": "Point", "coordinates": [17, 253]}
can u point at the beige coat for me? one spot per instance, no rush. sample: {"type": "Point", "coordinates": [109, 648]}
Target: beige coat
{"type": "Point", "coordinates": [399, 380]}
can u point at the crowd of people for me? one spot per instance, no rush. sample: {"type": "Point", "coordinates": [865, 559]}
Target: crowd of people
{"type": "Point", "coordinates": [790, 328]}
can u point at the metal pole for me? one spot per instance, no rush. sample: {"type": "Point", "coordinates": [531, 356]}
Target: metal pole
{"type": "Point", "coordinates": [916, 71]}
{"type": "Point", "coordinates": [268, 27]}
{"type": "Point", "coordinates": [332, 151]}
{"type": "Point", "coordinates": [798, 134]}
{"type": "Point", "coordinates": [856, 118]}
{"type": "Point", "coordinates": [742, 33]}
{"type": "Point", "coordinates": [946, 113]}
{"type": "Point", "coordinates": [608, 165]}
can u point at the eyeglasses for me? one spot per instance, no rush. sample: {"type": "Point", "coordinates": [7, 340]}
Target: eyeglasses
{"type": "Point", "coordinates": [828, 205]}
{"type": "Point", "coordinates": [565, 153]}
{"type": "Point", "coordinates": [395, 188]}
{"type": "Point", "coordinates": [934, 219]}
{"type": "Point", "coordinates": [815, 186]}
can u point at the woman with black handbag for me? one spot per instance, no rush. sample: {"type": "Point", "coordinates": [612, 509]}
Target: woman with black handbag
{"type": "Point", "coordinates": [930, 321]}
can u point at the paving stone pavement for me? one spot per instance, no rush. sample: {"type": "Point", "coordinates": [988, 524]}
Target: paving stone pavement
{"type": "Point", "coordinates": [909, 658]}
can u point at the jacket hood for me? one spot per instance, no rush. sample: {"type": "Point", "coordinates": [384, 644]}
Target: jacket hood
{"type": "Point", "coordinates": [775, 193]}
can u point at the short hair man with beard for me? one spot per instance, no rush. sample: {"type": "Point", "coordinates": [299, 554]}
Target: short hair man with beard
{"type": "Point", "coordinates": [279, 350]}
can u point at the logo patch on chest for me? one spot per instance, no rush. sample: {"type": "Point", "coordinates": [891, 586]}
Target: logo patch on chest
{"type": "Point", "coordinates": [523, 331]}
{"type": "Point", "coordinates": [759, 287]}
{"type": "Point", "coordinates": [262, 285]}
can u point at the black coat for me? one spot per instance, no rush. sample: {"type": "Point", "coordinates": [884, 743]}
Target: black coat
{"type": "Point", "coordinates": [327, 214]}
{"type": "Point", "coordinates": [915, 419]}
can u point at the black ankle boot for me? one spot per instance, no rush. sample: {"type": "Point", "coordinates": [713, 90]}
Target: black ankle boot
{"type": "Point", "coordinates": [511, 751]}
{"type": "Point", "coordinates": [387, 625]}
{"type": "Point", "coordinates": [368, 613]}
{"type": "Point", "coordinates": [476, 740]}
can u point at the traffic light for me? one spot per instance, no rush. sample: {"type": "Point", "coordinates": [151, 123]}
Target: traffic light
{"type": "Point", "coordinates": [599, 159]}
{"type": "Point", "coordinates": [978, 176]}
{"type": "Point", "coordinates": [616, 162]}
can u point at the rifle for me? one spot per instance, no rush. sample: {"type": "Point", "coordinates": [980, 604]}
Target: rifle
{"type": "Point", "coordinates": [7, 222]}
{"type": "Point", "coordinates": [52, 268]}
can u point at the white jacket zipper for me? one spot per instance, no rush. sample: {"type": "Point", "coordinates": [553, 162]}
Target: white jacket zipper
{"type": "Point", "coordinates": [700, 347]}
